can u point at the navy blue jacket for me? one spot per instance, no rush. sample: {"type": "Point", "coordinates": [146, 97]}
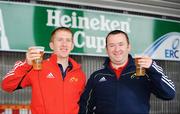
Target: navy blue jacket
{"type": "Point", "coordinates": [105, 94]}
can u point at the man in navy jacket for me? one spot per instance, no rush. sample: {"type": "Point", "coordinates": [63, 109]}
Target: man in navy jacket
{"type": "Point", "coordinates": [115, 89]}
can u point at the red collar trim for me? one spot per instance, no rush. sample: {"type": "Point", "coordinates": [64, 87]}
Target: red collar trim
{"type": "Point", "coordinates": [119, 70]}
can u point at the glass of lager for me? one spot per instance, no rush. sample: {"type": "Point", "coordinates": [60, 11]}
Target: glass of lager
{"type": "Point", "coordinates": [140, 71]}
{"type": "Point", "coordinates": [37, 63]}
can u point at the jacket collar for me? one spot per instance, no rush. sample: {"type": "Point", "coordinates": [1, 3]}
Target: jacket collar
{"type": "Point", "coordinates": [74, 64]}
{"type": "Point", "coordinates": [130, 62]}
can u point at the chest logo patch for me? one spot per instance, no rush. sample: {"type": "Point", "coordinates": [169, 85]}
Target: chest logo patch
{"type": "Point", "coordinates": [102, 79]}
{"type": "Point", "coordinates": [73, 79]}
{"type": "Point", "coordinates": [50, 75]}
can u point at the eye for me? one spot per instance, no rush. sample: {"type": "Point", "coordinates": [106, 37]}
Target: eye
{"type": "Point", "coordinates": [120, 44]}
{"type": "Point", "coordinates": [111, 45]}
{"type": "Point", "coordinates": [59, 39]}
{"type": "Point", "coordinates": [69, 39]}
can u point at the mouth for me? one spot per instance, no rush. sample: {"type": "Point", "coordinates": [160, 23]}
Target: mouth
{"type": "Point", "coordinates": [118, 54]}
{"type": "Point", "coordinates": [62, 50]}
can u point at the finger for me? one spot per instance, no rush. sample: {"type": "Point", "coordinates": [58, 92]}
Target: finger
{"type": "Point", "coordinates": [145, 62]}
{"type": "Point", "coordinates": [32, 54]}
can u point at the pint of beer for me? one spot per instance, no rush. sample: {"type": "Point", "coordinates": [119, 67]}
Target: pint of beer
{"type": "Point", "coordinates": [37, 63]}
{"type": "Point", "coordinates": [140, 71]}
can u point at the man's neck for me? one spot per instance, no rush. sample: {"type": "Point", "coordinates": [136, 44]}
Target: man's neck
{"type": "Point", "coordinates": [63, 62]}
{"type": "Point", "coordinates": [116, 66]}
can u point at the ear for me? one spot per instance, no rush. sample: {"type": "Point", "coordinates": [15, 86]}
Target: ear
{"type": "Point", "coordinates": [51, 45]}
{"type": "Point", "coordinates": [106, 50]}
{"type": "Point", "coordinates": [72, 46]}
{"type": "Point", "coordinates": [129, 47]}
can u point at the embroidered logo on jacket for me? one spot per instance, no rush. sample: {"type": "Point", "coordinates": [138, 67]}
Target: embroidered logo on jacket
{"type": "Point", "coordinates": [102, 79]}
{"type": "Point", "coordinates": [73, 79]}
{"type": "Point", "coordinates": [50, 75]}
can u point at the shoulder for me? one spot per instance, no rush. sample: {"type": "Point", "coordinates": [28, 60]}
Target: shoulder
{"type": "Point", "coordinates": [103, 71]}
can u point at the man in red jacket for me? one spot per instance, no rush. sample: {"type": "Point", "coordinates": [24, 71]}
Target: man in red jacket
{"type": "Point", "coordinates": [57, 87]}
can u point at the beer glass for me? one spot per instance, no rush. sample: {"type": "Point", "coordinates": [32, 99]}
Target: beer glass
{"type": "Point", "coordinates": [140, 71]}
{"type": "Point", "coordinates": [37, 63]}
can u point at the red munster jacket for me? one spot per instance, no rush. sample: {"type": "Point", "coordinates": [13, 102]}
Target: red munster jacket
{"type": "Point", "coordinates": [51, 94]}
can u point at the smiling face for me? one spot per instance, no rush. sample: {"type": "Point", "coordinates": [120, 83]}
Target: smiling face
{"type": "Point", "coordinates": [62, 43]}
{"type": "Point", "coordinates": [118, 48]}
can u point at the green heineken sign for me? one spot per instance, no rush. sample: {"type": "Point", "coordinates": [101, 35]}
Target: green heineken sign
{"type": "Point", "coordinates": [23, 25]}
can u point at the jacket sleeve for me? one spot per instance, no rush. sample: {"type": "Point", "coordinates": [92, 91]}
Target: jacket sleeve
{"type": "Point", "coordinates": [161, 86]}
{"type": "Point", "coordinates": [83, 82]}
{"type": "Point", "coordinates": [87, 100]}
{"type": "Point", "coordinates": [14, 78]}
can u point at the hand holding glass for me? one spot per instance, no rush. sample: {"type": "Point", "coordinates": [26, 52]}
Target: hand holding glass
{"type": "Point", "coordinates": [37, 63]}
{"type": "Point", "coordinates": [140, 71]}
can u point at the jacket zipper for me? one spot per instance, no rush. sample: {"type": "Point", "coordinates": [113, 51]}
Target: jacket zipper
{"type": "Point", "coordinates": [63, 96]}
{"type": "Point", "coordinates": [132, 72]}
{"type": "Point", "coordinates": [117, 90]}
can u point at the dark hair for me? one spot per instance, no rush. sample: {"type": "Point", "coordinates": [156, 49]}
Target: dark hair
{"type": "Point", "coordinates": [114, 32]}
{"type": "Point", "coordinates": [60, 28]}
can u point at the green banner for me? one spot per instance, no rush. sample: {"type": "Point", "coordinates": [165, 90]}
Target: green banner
{"type": "Point", "coordinates": [24, 25]}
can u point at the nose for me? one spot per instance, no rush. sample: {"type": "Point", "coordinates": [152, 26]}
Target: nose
{"type": "Point", "coordinates": [64, 43]}
{"type": "Point", "coordinates": [117, 48]}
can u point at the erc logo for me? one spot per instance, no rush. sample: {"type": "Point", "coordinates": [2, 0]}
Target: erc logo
{"type": "Point", "coordinates": [173, 52]}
